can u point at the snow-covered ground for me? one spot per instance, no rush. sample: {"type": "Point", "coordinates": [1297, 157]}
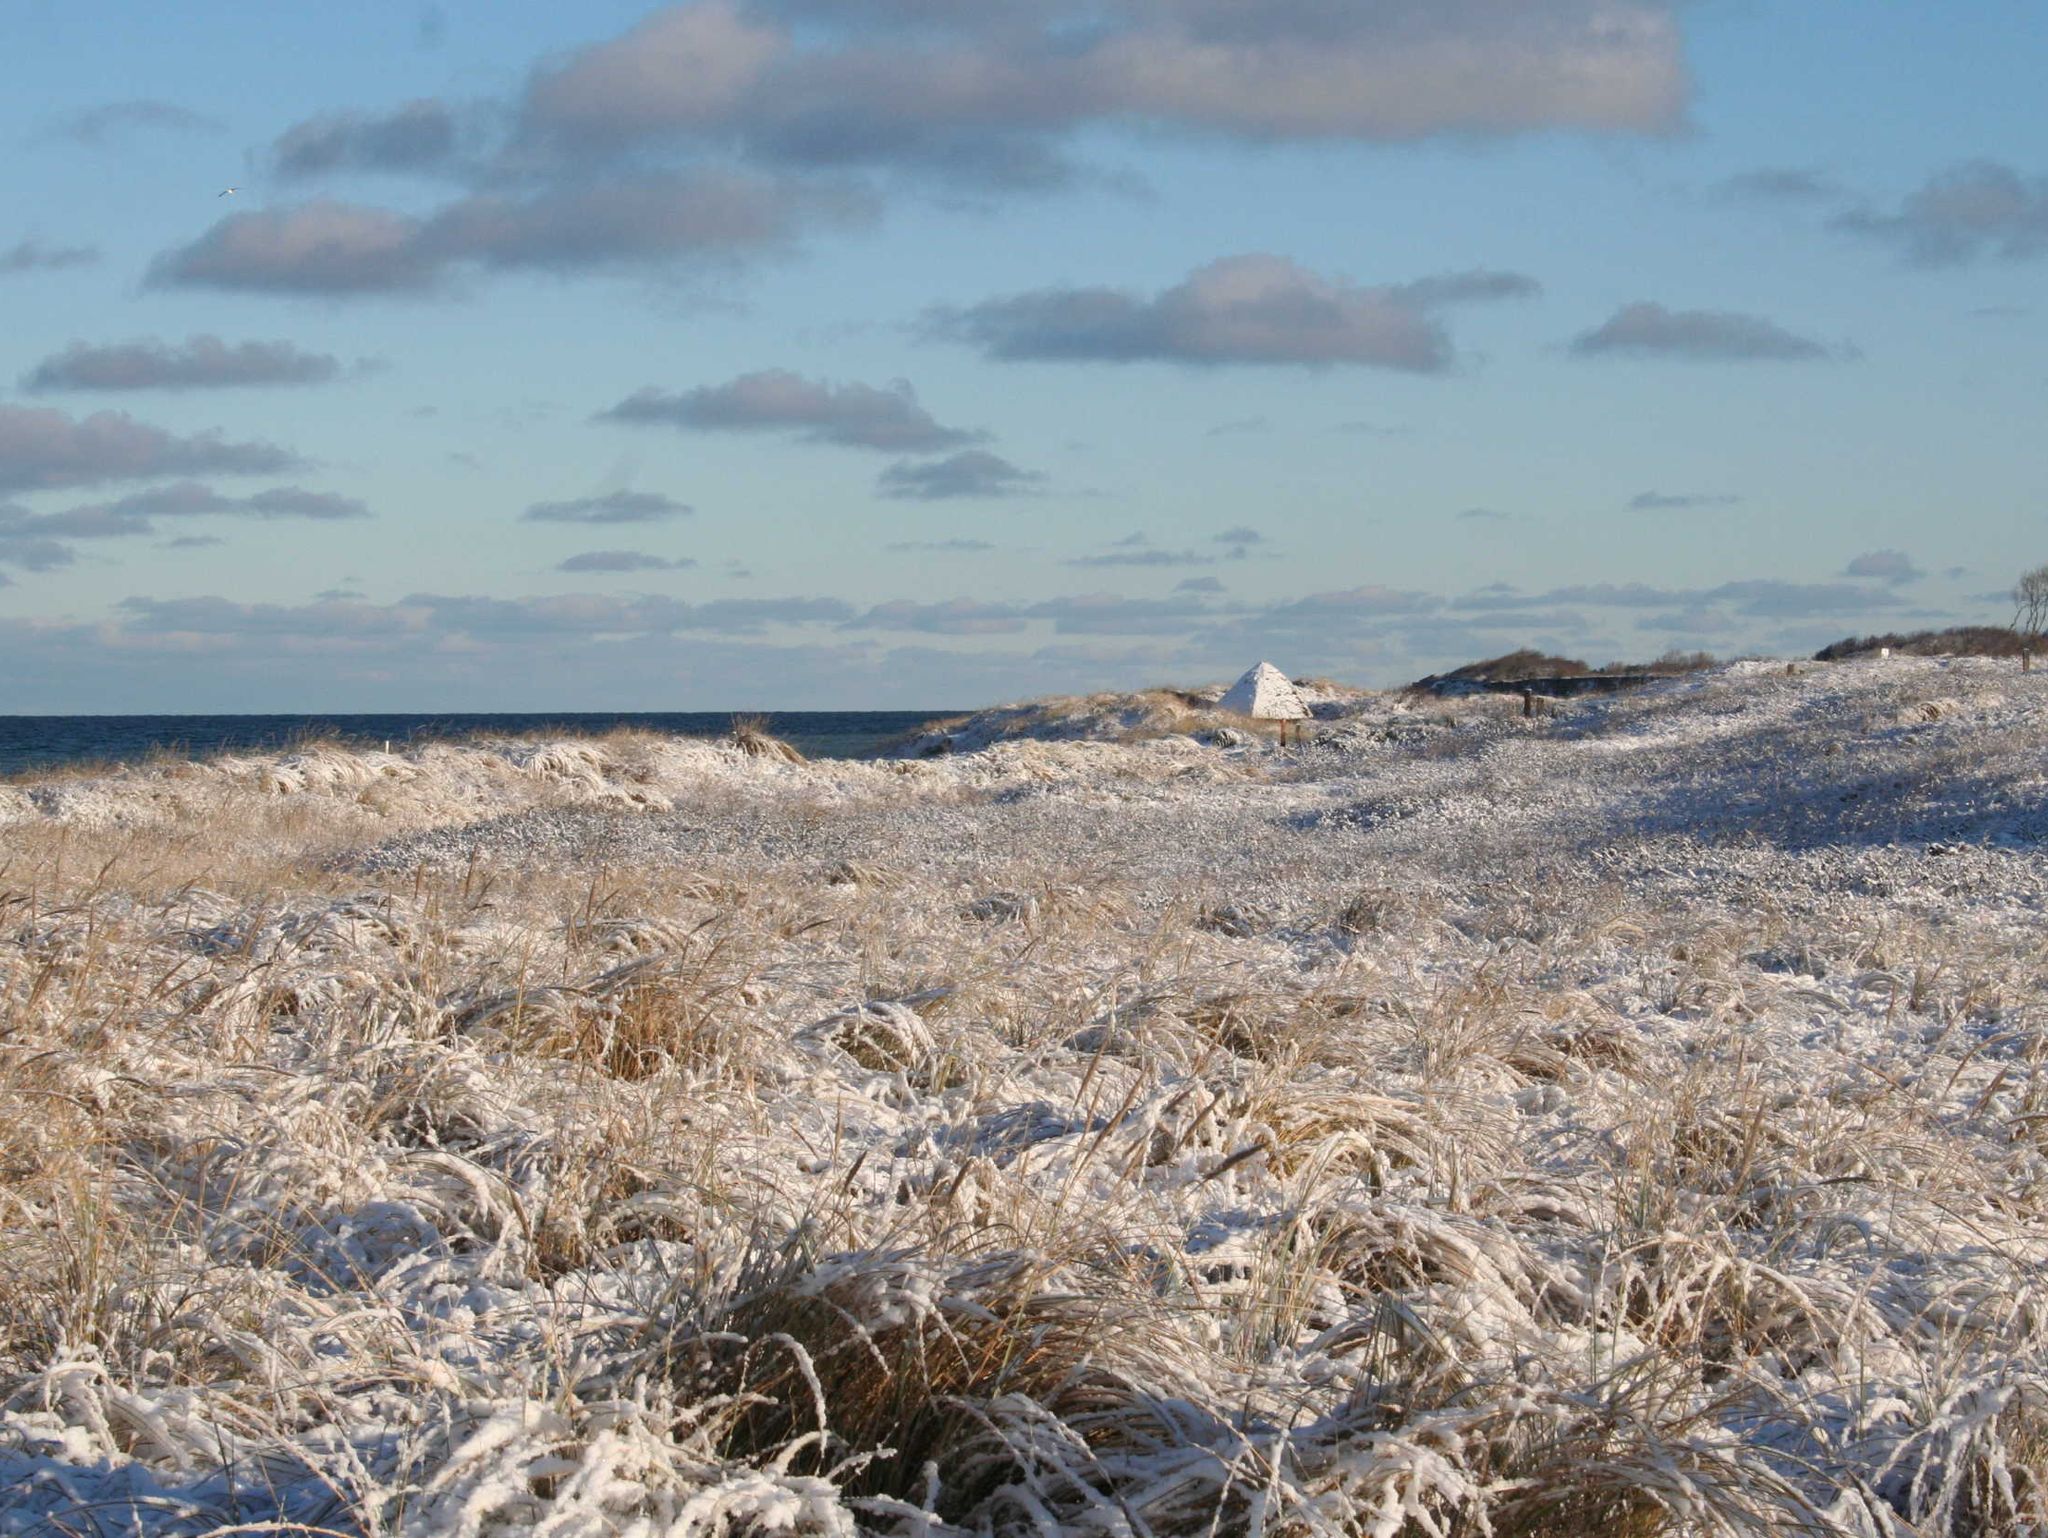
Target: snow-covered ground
{"type": "Point", "coordinates": [1627, 1120]}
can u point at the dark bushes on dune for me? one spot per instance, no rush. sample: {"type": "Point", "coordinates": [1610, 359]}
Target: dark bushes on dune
{"type": "Point", "coordinates": [1958, 641]}
{"type": "Point", "coordinates": [1527, 664]}
{"type": "Point", "coordinates": [1511, 667]}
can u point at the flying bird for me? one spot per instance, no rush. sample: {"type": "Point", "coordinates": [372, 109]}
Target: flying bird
{"type": "Point", "coordinates": [227, 192]}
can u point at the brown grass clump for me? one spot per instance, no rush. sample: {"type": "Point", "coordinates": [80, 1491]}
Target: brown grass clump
{"type": "Point", "coordinates": [641, 1018]}
{"type": "Point", "coordinates": [906, 1375]}
{"type": "Point", "coordinates": [750, 736]}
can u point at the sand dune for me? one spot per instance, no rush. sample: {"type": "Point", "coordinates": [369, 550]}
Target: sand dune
{"type": "Point", "coordinates": [1626, 1120]}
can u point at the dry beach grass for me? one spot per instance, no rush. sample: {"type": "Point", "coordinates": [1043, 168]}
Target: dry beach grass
{"type": "Point", "coordinates": [1627, 1121]}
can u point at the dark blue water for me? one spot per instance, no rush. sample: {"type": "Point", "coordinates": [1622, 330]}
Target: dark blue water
{"type": "Point", "coordinates": [41, 742]}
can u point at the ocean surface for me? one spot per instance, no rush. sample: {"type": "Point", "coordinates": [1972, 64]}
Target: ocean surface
{"type": "Point", "coordinates": [29, 743]}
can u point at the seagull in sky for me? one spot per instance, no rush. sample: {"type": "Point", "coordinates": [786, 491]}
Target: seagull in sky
{"type": "Point", "coordinates": [227, 192]}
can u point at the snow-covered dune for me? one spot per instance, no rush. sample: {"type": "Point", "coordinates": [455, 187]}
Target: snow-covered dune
{"type": "Point", "coordinates": [1627, 1119]}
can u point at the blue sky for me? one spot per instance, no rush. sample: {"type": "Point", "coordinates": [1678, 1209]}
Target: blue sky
{"type": "Point", "coordinates": [844, 353]}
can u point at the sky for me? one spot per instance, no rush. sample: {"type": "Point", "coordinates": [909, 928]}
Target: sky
{"type": "Point", "coordinates": [894, 354]}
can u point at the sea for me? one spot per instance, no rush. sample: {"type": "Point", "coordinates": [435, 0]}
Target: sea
{"type": "Point", "coordinates": [31, 743]}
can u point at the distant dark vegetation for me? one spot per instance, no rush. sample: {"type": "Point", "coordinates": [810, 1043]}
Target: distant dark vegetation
{"type": "Point", "coordinates": [1531, 666]}
{"type": "Point", "coordinates": [1959, 641]}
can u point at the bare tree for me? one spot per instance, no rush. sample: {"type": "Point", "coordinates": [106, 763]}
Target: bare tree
{"type": "Point", "coordinates": [2030, 612]}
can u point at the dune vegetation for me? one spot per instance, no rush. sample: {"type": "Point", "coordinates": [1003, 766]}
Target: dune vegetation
{"type": "Point", "coordinates": [1627, 1120]}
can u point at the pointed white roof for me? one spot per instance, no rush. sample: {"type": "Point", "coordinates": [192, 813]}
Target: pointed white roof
{"type": "Point", "coordinates": [1264, 694]}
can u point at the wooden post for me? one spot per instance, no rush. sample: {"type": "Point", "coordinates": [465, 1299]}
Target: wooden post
{"type": "Point", "coordinates": [1528, 703]}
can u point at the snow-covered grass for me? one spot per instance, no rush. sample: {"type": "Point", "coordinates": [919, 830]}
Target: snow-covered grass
{"type": "Point", "coordinates": [1630, 1120]}
{"type": "Point", "coordinates": [1144, 716]}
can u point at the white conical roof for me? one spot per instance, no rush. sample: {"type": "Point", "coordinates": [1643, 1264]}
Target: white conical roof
{"type": "Point", "coordinates": [1264, 694]}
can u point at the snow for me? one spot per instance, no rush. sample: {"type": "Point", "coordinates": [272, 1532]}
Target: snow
{"type": "Point", "coordinates": [1642, 1103]}
{"type": "Point", "coordinates": [1264, 694]}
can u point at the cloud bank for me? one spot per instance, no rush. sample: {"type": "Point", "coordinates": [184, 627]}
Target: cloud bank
{"type": "Point", "coordinates": [1648, 330]}
{"type": "Point", "coordinates": [43, 448]}
{"type": "Point", "coordinates": [853, 415]}
{"type": "Point", "coordinates": [33, 256]}
{"type": "Point", "coordinates": [993, 92]}
{"type": "Point", "coordinates": [973, 473]}
{"type": "Point", "coordinates": [418, 136]}
{"type": "Point", "coordinates": [1972, 211]}
{"type": "Point", "coordinates": [199, 363]}
{"type": "Point", "coordinates": [95, 127]}
{"type": "Point", "coordinates": [1251, 309]}
{"type": "Point", "coordinates": [612, 507]}
{"type": "Point", "coordinates": [647, 220]}
{"type": "Point", "coordinates": [622, 561]}
{"type": "Point", "coordinates": [722, 130]}
{"type": "Point", "coordinates": [1679, 501]}
{"type": "Point", "coordinates": [44, 541]}
{"type": "Point", "coordinates": [1893, 566]}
